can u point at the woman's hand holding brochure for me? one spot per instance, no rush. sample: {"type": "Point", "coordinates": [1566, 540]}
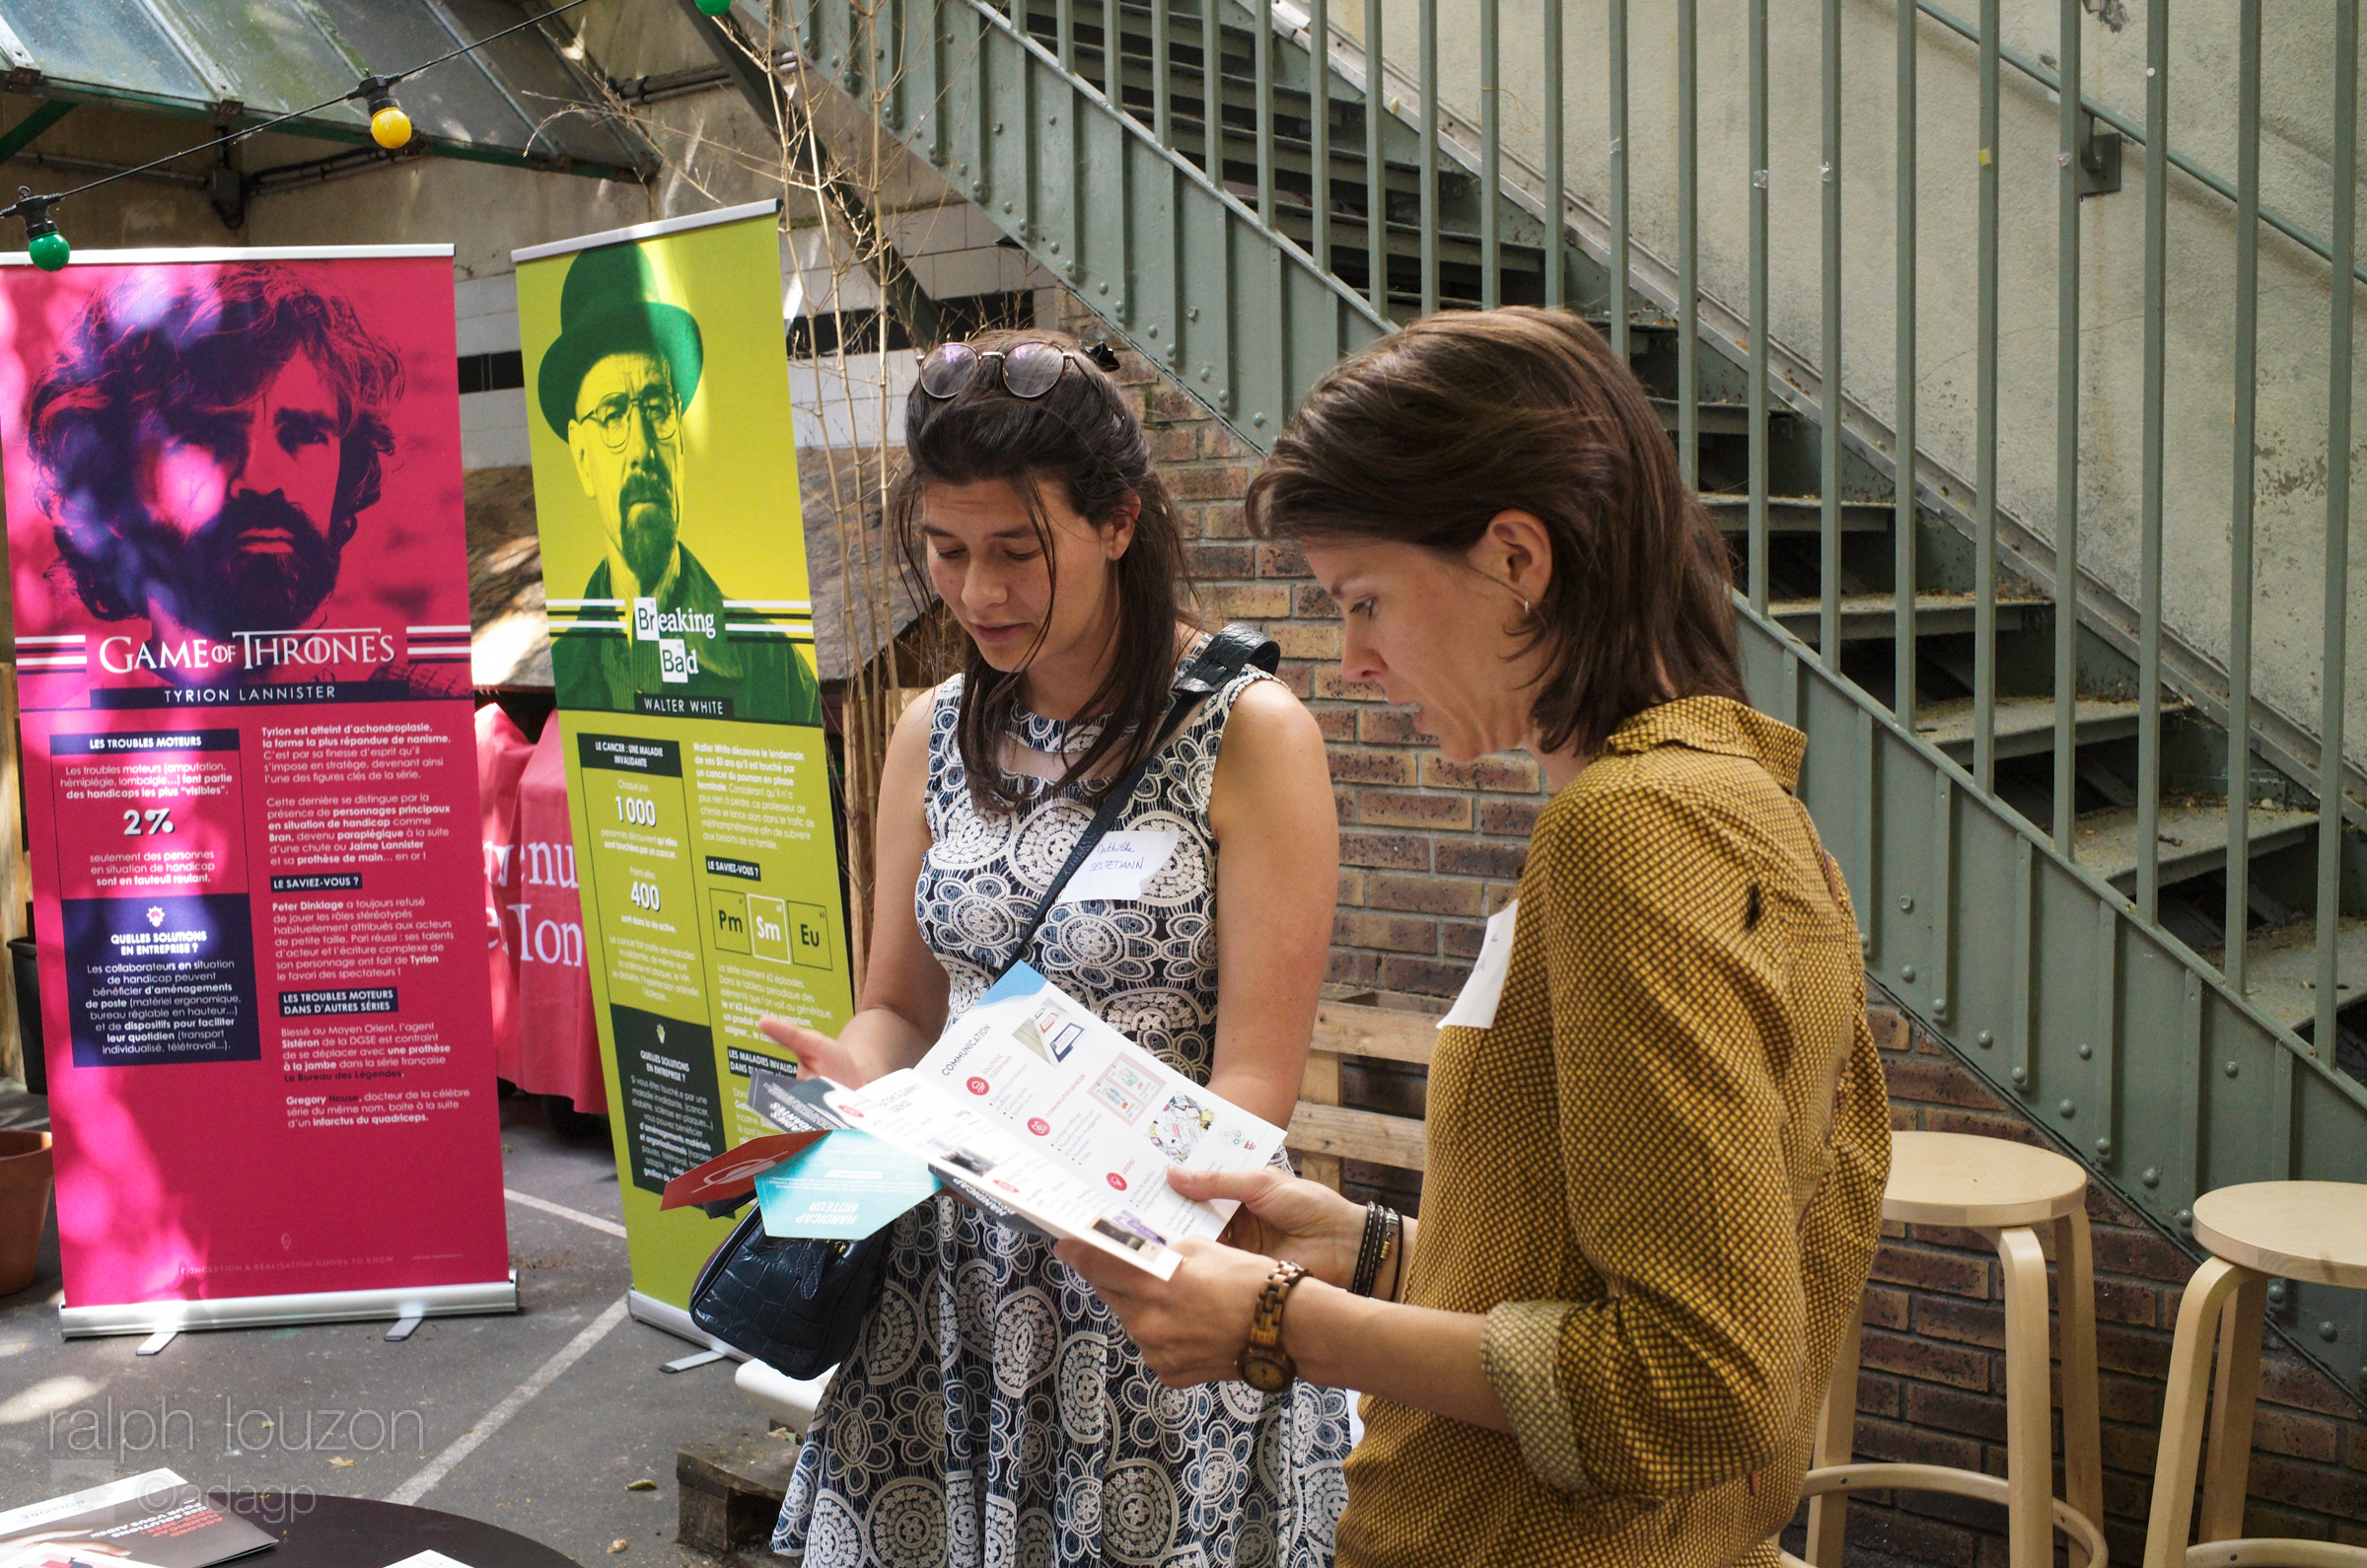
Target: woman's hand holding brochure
{"type": "Point", "coordinates": [1282, 1217]}
{"type": "Point", "coordinates": [1033, 1101]}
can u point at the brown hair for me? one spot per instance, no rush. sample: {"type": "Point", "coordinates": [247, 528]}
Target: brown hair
{"type": "Point", "coordinates": [1083, 437]}
{"type": "Point", "coordinates": [1423, 437]}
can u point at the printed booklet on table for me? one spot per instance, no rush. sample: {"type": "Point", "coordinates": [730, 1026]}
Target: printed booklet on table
{"type": "Point", "coordinates": [1030, 1102]}
{"type": "Point", "coordinates": [151, 1520]}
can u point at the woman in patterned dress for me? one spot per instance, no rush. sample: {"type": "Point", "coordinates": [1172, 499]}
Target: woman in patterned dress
{"type": "Point", "coordinates": [992, 1411]}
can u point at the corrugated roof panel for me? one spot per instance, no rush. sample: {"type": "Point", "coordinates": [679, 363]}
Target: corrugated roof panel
{"type": "Point", "coordinates": [539, 82]}
{"type": "Point", "coordinates": [516, 99]}
{"type": "Point", "coordinates": [453, 101]}
{"type": "Point", "coordinates": [274, 54]}
{"type": "Point", "coordinates": [113, 46]}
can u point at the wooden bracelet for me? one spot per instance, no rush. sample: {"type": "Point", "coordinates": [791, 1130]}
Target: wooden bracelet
{"type": "Point", "coordinates": [1264, 1364]}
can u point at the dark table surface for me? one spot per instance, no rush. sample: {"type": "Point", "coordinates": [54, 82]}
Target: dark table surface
{"type": "Point", "coordinates": [317, 1531]}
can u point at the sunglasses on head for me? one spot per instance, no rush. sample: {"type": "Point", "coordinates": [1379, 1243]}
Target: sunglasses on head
{"type": "Point", "coordinates": [1028, 370]}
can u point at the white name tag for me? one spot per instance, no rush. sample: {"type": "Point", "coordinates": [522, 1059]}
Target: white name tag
{"type": "Point", "coordinates": [1475, 1007]}
{"type": "Point", "coordinates": [1122, 865]}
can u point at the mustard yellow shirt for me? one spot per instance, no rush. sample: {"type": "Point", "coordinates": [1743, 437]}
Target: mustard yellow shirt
{"type": "Point", "coordinates": [1659, 1173]}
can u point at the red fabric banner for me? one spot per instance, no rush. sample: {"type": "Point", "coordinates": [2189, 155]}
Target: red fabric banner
{"type": "Point", "coordinates": [558, 1040]}
{"type": "Point", "coordinates": [501, 754]}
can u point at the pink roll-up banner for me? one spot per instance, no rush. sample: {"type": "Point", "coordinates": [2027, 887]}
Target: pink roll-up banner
{"type": "Point", "coordinates": [232, 486]}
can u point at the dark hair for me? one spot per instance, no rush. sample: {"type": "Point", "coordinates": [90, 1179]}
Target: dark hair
{"type": "Point", "coordinates": [1082, 435]}
{"type": "Point", "coordinates": [1423, 437]}
{"type": "Point", "coordinates": [149, 347]}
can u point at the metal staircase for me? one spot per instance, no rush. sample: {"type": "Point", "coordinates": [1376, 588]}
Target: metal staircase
{"type": "Point", "coordinates": [2082, 975]}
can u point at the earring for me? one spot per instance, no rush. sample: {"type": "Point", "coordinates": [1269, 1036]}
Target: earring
{"type": "Point", "coordinates": [1524, 606]}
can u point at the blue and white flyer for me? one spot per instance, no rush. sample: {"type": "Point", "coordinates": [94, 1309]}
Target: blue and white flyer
{"type": "Point", "coordinates": [1029, 1097]}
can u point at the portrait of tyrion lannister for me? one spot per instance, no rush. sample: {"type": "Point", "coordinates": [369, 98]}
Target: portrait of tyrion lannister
{"type": "Point", "coordinates": [207, 445]}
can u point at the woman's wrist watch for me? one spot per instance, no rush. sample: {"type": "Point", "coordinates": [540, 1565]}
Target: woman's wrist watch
{"type": "Point", "coordinates": [1264, 1365]}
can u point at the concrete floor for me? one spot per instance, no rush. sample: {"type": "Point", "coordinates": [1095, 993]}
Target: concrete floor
{"type": "Point", "coordinates": [556, 1471]}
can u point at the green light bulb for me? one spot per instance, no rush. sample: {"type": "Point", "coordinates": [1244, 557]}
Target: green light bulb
{"type": "Point", "coordinates": [714, 8]}
{"type": "Point", "coordinates": [49, 250]}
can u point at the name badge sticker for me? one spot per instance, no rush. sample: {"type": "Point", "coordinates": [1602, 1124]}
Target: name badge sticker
{"type": "Point", "coordinates": [1476, 1006]}
{"type": "Point", "coordinates": [1122, 865]}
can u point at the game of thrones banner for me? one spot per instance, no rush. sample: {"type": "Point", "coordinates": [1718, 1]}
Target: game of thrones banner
{"type": "Point", "coordinates": [682, 643]}
{"type": "Point", "coordinates": [241, 636]}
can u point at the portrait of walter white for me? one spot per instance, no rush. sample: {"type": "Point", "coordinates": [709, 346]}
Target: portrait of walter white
{"type": "Point", "coordinates": [207, 448]}
{"type": "Point", "coordinates": [615, 385]}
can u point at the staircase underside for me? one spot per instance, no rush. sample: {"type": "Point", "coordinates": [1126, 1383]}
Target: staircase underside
{"type": "Point", "coordinates": [2121, 1039]}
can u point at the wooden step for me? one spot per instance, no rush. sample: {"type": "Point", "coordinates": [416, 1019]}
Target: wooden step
{"type": "Point", "coordinates": [729, 1488]}
{"type": "Point", "coordinates": [1798, 514]}
{"type": "Point", "coordinates": [2194, 839]}
{"type": "Point", "coordinates": [1641, 318]}
{"type": "Point", "coordinates": [1294, 156]}
{"type": "Point", "coordinates": [1717, 419]}
{"type": "Point", "coordinates": [1296, 220]}
{"type": "Point", "coordinates": [2023, 725]}
{"type": "Point", "coordinates": [2281, 968]}
{"type": "Point", "coordinates": [1873, 618]}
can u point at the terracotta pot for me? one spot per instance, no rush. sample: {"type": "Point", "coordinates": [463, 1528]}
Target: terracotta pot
{"type": "Point", "coordinates": [25, 1174]}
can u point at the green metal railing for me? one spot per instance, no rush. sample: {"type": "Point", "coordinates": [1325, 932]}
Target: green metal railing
{"type": "Point", "coordinates": [2335, 616]}
{"type": "Point", "coordinates": [1246, 195]}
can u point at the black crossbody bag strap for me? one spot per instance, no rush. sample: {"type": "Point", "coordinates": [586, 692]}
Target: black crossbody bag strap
{"type": "Point", "coordinates": [800, 1303]}
{"type": "Point", "coordinates": [1228, 653]}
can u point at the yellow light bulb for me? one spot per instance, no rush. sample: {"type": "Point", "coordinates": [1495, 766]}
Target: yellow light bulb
{"type": "Point", "coordinates": [390, 127]}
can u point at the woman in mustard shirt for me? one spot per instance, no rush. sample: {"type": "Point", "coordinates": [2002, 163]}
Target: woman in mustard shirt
{"type": "Point", "coordinates": [1658, 1135]}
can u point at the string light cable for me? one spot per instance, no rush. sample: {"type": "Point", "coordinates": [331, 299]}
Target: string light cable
{"type": "Point", "coordinates": [389, 127]}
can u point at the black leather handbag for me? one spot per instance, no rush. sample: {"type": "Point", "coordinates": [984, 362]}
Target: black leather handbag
{"type": "Point", "coordinates": [792, 1302]}
{"type": "Point", "coordinates": [797, 1303]}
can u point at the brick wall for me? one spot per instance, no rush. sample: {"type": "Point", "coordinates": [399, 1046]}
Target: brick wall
{"type": "Point", "coordinates": [1429, 848]}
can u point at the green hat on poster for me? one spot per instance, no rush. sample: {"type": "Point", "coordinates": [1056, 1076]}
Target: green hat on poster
{"type": "Point", "coordinates": [608, 304]}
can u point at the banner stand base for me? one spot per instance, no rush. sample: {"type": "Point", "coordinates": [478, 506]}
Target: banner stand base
{"type": "Point", "coordinates": [675, 1322]}
{"type": "Point", "coordinates": [261, 1312]}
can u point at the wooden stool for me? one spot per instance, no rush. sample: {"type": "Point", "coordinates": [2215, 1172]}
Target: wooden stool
{"type": "Point", "coordinates": [2022, 1200]}
{"type": "Point", "coordinates": [2310, 1231]}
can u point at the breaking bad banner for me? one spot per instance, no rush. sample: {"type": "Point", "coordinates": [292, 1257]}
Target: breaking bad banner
{"type": "Point", "coordinates": [241, 641]}
{"type": "Point", "coordinates": [683, 646]}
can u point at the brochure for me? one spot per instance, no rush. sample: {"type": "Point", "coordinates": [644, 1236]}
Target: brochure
{"type": "Point", "coordinates": [730, 1177]}
{"type": "Point", "coordinates": [798, 1106]}
{"type": "Point", "coordinates": [843, 1187]}
{"type": "Point", "coordinates": [1031, 1100]}
{"type": "Point", "coordinates": [790, 1103]}
{"type": "Point", "coordinates": [152, 1521]}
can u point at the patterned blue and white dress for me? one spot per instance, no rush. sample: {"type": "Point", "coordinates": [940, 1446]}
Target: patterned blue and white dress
{"type": "Point", "coordinates": [994, 1411]}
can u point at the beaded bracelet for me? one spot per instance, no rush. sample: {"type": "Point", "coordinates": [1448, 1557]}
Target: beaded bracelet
{"type": "Point", "coordinates": [1391, 1245]}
